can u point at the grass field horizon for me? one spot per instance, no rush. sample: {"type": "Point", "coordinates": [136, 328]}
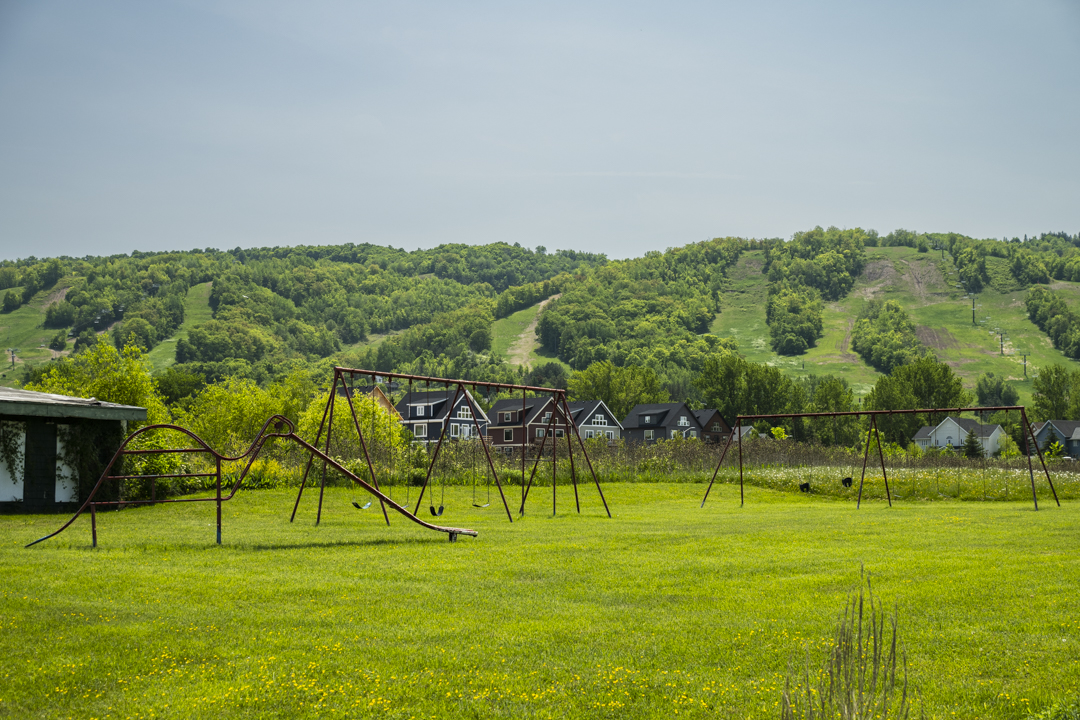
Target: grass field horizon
{"type": "Point", "coordinates": [665, 609]}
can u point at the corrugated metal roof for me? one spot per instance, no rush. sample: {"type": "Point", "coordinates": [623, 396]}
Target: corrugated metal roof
{"type": "Point", "coordinates": [14, 401]}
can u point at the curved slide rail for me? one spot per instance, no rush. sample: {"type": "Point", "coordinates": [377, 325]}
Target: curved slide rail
{"type": "Point", "coordinates": [284, 430]}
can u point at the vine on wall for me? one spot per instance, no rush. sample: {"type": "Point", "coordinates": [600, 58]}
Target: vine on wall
{"type": "Point", "coordinates": [13, 447]}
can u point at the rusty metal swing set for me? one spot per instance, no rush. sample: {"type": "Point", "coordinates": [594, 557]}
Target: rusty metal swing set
{"type": "Point", "coordinates": [873, 435]}
{"type": "Point", "coordinates": [279, 427]}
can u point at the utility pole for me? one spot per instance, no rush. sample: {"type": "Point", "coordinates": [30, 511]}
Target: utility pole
{"type": "Point", "coordinates": [1001, 339]}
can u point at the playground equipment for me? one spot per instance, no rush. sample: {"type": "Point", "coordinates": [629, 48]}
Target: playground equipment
{"type": "Point", "coordinates": [873, 437]}
{"type": "Point", "coordinates": [469, 418]}
{"type": "Point", "coordinates": [283, 429]}
{"type": "Point", "coordinates": [280, 428]}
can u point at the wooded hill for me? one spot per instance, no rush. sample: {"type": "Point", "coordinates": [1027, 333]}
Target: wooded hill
{"type": "Point", "coordinates": [847, 303]}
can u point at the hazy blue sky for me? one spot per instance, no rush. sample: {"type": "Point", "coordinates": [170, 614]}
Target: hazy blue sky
{"type": "Point", "coordinates": [612, 127]}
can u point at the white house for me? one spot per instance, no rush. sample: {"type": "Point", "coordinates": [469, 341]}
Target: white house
{"type": "Point", "coordinates": [953, 431]}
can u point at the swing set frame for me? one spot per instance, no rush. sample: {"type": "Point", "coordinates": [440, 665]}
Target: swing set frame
{"type": "Point", "coordinates": [1029, 442]}
{"type": "Point", "coordinates": [562, 418]}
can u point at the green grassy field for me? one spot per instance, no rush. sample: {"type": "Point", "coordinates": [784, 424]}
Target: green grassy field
{"type": "Point", "coordinates": [25, 329]}
{"type": "Point", "coordinates": [196, 311]}
{"type": "Point", "coordinates": [505, 332]}
{"type": "Point", "coordinates": [924, 284]}
{"type": "Point", "coordinates": [664, 610]}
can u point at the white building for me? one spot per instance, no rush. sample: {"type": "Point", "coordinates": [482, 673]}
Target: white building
{"type": "Point", "coordinates": [953, 431]}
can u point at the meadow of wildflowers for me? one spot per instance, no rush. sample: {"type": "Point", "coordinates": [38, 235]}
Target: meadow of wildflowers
{"type": "Point", "coordinates": [665, 610]}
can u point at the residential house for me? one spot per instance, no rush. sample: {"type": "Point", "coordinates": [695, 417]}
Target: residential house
{"type": "Point", "coordinates": [1066, 432]}
{"type": "Point", "coordinates": [714, 429]}
{"type": "Point", "coordinates": [428, 414]}
{"type": "Point", "coordinates": [512, 420]}
{"type": "Point", "coordinates": [649, 423]}
{"type": "Point", "coordinates": [953, 431]}
{"type": "Point", "coordinates": [595, 420]}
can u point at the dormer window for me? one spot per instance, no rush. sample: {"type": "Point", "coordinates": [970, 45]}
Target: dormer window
{"type": "Point", "coordinates": [646, 419]}
{"type": "Point", "coordinates": [418, 410]}
{"type": "Point", "coordinates": [508, 417]}
{"type": "Point", "coordinates": [464, 413]}
{"type": "Point", "coordinates": [683, 422]}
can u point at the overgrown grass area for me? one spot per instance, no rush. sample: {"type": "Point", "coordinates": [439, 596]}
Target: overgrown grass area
{"type": "Point", "coordinates": [506, 331]}
{"type": "Point", "coordinates": [196, 311]}
{"type": "Point", "coordinates": [667, 609]}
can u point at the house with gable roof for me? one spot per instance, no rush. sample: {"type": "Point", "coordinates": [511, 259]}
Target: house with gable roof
{"type": "Point", "coordinates": [429, 414]}
{"type": "Point", "coordinates": [953, 431]}
{"type": "Point", "coordinates": [714, 429]}
{"type": "Point", "coordinates": [660, 421]}
{"type": "Point", "coordinates": [1066, 432]}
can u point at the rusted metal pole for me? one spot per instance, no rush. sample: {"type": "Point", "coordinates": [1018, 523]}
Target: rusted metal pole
{"type": "Point", "coordinates": [742, 495]}
{"type": "Point", "coordinates": [588, 462]}
{"type": "Point", "coordinates": [524, 446]}
{"type": "Point", "coordinates": [866, 456]}
{"type": "Point", "coordinates": [881, 457]}
{"type": "Point", "coordinates": [568, 420]}
{"type": "Point", "coordinates": [311, 459]}
{"type": "Point", "coordinates": [723, 454]}
{"type": "Point", "coordinates": [360, 436]}
{"type": "Point", "coordinates": [539, 454]}
{"type": "Point", "coordinates": [93, 524]}
{"type": "Point", "coordinates": [218, 501]}
{"type": "Point", "coordinates": [483, 443]}
{"type": "Point", "coordinates": [1031, 433]}
{"type": "Point", "coordinates": [329, 430]}
{"type": "Point", "coordinates": [448, 381]}
{"type": "Point", "coordinates": [554, 451]}
{"type": "Point", "coordinates": [444, 430]}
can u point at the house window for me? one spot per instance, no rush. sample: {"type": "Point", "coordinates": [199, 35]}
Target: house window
{"type": "Point", "coordinates": [420, 430]}
{"type": "Point", "coordinates": [539, 432]}
{"type": "Point", "coordinates": [610, 434]}
{"type": "Point", "coordinates": [455, 430]}
{"type": "Point", "coordinates": [508, 435]}
{"type": "Point", "coordinates": [693, 433]}
{"type": "Point", "coordinates": [675, 434]}
{"type": "Point", "coordinates": [683, 422]}
{"type": "Point", "coordinates": [650, 434]}
{"type": "Point", "coordinates": [418, 410]}
{"type": "Point", "coordinates": [508, 417]}
{"type": "Point", "coordinates": [599, 420]}
{"type": "Point", "coordinates": [716, 427]}
{"type": "Point", "coordinates": [558, 432]}
{"type": "Point", "coordinates": [588, 434]}
{"type": "Point", "coordinates": [948, 440]}
{"type": "Point", "coordinates": [464, 412]}
{"type": "Point", "coordinates": [547, 417]}
{"type": "Point", "coordinates": [646, 419]}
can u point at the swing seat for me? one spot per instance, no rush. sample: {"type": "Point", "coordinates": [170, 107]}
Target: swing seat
{"type": "Point", "coordinates": [475, 505]}
{"type": "Point", "coordinates": [358, 506]}
{"type": "Point", "coordinates": [436, 513]}
{"type": "Point", "coordinates": [846, 482]}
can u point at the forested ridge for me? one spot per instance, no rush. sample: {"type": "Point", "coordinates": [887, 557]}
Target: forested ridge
{"type": "Point", "coordinates": [278, 311]}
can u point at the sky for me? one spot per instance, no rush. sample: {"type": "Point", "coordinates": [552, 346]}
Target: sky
{"type": "Point", "coordinates": [612, 127]}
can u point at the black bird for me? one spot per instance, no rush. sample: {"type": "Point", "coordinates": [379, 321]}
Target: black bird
{"type": "Point", "coordinates": [846, 482]}
{"type": "Point", "coordinates": [805, 487]}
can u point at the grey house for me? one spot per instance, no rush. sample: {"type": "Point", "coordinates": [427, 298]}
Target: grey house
{"type": "Point", "coordinates": [429, 414]}
{"type": "Point", "coordinates": [37, 474]}
{"type": "Point", "coordinates": [1066, 432]}
{"type": "Point", "coordinates": [662, 421]}
{"type": "Point", "coordinates": [595, 420]}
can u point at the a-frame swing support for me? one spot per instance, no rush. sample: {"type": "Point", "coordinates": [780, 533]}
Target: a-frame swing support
{"type": "Point", "coordinates": [344, 376]}
{"type": "Point", "coordinates": [874, 435]}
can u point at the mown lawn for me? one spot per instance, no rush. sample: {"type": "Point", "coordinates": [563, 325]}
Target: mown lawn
{"type": "Point", "coordinates": [665, 609]}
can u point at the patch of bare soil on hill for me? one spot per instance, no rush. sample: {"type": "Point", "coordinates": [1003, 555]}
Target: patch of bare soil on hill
{"type": "Point", "coordinates": [54, 297]}
{"type": "Point", "coordinates": [878, 272]}
{"type": "Point", "coordinates": [940, 339]}
{"type": "Point", "coordinates": [922, 276]}
{"type": "Point", "coordinates": [526, 342]}
{"type": "Point", "coordinates": [843, 345]}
